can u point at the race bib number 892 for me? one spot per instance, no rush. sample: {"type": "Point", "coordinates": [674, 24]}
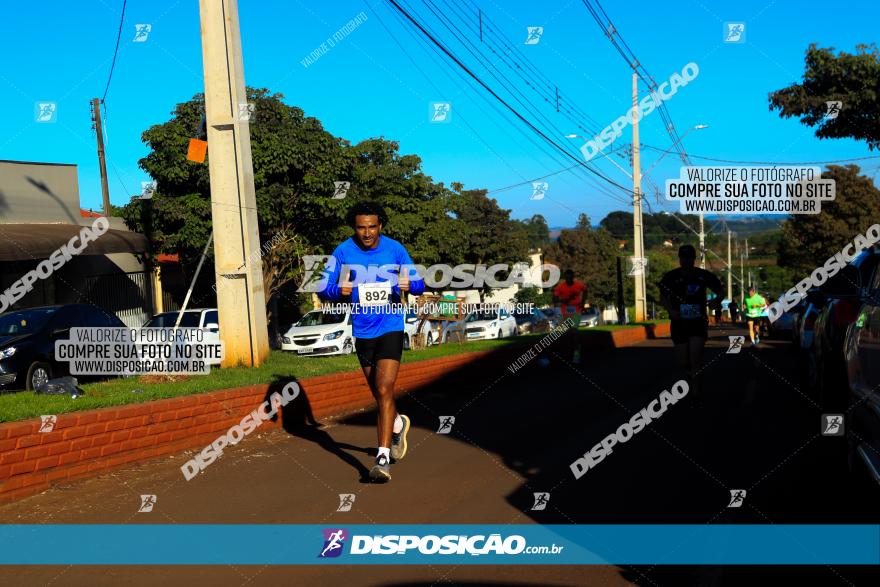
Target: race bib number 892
{"type": "Point", "coordinates": [374, 294]}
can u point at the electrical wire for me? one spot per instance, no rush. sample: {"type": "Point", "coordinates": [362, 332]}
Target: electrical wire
{"type": "Point", "coordinates": [115, 51]}
{"type": "Point", "coordinates": [505, 103]}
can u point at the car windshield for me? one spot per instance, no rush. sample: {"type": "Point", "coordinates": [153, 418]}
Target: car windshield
{"type": "Point", "coordinates": [168, 319]}
{"type": "Point", "coordinates": [482, 316]}
{"type": "Point", "coordinates": [321, 318]}
{"type": "Point", "coordinates": [25, 321]}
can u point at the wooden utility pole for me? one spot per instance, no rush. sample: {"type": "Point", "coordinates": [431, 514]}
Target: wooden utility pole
{"type": "Point", "coordinates": [238, 270]}
{"type": "Point", "coordinates": [99, 131]}
{"type": "Point", "coordinates": [638, 230]}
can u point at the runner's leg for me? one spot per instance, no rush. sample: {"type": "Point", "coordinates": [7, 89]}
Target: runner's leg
{"type": "Point", "coordinates": [383, 392]}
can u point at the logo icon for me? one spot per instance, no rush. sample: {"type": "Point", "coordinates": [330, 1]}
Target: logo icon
{"type": "Point", "coordinates": [534, 35]}
{"type": "Point", "coordinates": [147, 503]}
{"type": "Point", "coordinates": [440, 112]}
{"type": "Point", "coordinates": [446, 423]}
{"type": "Point", "coordinates": [346, 500]}
{"type": "Point", "coordinates": [736, 498]}
{"type": "Point", "coordinates": [832, 424]}
{"type": "Point", "coordinates": [141, 32]}
{"type": "Point", "coordinates": [736, 344]}
{"type": "Point", "coordinates": [334, 540]}
{"type": "Point", "coordinates": [734, 32]}
{"type": "Point", "coordinates": [637, 266]}
{"type": "Point", "coordinates": [539, 188]}
{"type": "Point", "coordinates": [47, 423]}
{"type": "Point", "coordinates": [833, 109]}
{"type": "Point", "coordinates": [148, 188]}
{"type": "Point", "coordinates": [46, 112]}
{"type": "Point", "coordinates": [341, 189]}
{"type": "Point", "coordinates": [246, 112]}
{"type": "Point", "coordinates": [314, 276]}
{"type": "Point", "coordinates": [541, 500]}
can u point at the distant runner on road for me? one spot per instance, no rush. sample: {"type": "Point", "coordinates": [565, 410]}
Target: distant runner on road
{"type": "Point", "coordinates": [570, 296]}
{"type": "Point", "coordinates": [754, 306]}
{"type": "Point", "coordinates": [378, 330]}
{"type": "Point", "coordinates": [683, 294]}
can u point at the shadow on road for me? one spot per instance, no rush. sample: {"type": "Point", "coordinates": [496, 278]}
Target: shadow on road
{"type": "Point", "coordinates": [298, 420]}
{"type": "Point", "coordinates": [757, 430]}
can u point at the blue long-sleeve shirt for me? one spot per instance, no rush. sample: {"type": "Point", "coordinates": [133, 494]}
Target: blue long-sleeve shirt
{"type": "Point", "coordinates": [372, 322]}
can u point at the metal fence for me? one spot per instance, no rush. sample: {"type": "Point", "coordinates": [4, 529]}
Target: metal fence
{"type": "Point", "coordinates": [127, 295]}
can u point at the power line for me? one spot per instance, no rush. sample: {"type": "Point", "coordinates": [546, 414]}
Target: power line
{"type": "Point", "coordinates": [500, 99]}
{"type": "Point", "coordinates": [771, 162]}
{"type": "Point", "coordinates": [420, 40]}
{"type": "Point", "coordinates": [610, 31]}
{"type": "Point", "coordinates": [115, 51]}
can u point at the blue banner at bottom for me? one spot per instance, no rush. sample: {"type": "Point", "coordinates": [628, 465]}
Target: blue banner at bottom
{"type": "Point", "coordinates": [288, 544]}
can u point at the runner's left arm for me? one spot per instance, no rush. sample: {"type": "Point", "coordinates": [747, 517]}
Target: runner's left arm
{"type": "Point", "coordinates": [416, 283]}
{"type": "Point", "coordinates": [715, 285]}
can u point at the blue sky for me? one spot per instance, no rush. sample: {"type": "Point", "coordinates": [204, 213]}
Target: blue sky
{"type": "Point", "coordinates": [379, 81]}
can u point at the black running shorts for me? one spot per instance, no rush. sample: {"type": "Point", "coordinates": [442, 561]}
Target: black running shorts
{"type": "Point", "coordinates": [682, 330]}
{"type": "Point", "coordinates": [387, 346]}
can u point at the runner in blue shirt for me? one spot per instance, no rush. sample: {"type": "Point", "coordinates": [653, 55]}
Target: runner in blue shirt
{"type": "Point", "coordinates": [382, 272]}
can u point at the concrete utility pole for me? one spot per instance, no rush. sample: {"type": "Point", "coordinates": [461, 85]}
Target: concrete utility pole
{"type": "Point", "coordinates": [239, 274]}
{"type": "Point", "coordinates": [99, 131]}
{"type": "Point", "coordinates": [729, 270]}
{"type": "Point", "coordinates": [750, 268]}
{"type": "Point", "coordinates": [638, 230]}
{"type": "Point", "coordinates": [742, 284]}
{"type": "Point", "coordinates": [702, 243]}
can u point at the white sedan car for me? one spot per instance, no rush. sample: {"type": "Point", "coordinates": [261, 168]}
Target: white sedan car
{"type": "Point", "coordinates": [413, 325]}
{"type": "Point", "coordinates": [320, 333]}
{"type": "Point", "coordinates": [489, 324]}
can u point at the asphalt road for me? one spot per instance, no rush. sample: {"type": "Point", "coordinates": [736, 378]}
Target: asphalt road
{"type": "Point", "coordinates": [757, 429]}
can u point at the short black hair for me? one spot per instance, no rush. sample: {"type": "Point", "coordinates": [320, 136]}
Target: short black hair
{"type": "Point", "coordinates": [687, 251]}
{"type": "Point", "coordinates": [568, 272]}
{"type": "Point", "coordinates": [366, 209]}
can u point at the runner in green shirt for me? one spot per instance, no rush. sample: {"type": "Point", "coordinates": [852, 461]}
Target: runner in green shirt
{"type": "Point", "coordinates": [754, 306]}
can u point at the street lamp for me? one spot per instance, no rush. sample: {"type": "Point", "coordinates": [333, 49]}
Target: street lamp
{"type": "Point", "coordinates": [681, 138]}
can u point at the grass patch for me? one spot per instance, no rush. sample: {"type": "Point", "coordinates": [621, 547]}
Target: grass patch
{"type": "Point", "coordinates": [21, 405]}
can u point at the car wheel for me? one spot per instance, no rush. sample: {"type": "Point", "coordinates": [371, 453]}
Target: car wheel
{"type": "Point", "coordinates": [38, 374]}
{"type": "Point", "coordinates": [348, 348]}
{"type": "Point", "coordinates": [406, 342]}
{"type": "Point", "coordinates": [500, 335]}
{"type": "Point", "coordinates": [430, 339]}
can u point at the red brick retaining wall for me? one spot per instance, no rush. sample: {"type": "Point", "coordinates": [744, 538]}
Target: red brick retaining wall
{"type": "Point", "coordinates": [85, 443]}
{"type": "Point", "coordinates": [603, 339]}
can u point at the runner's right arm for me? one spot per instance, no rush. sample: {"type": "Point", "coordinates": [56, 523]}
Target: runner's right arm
{"type": "Point", "coordinates": [665, 301]}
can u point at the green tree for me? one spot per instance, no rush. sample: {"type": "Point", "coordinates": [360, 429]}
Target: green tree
{"type": "Point", "coordinates": [538, 232]}
{"type": "Point", "coordinates": [853, 79]}
{"type": "Point", "coordinates": [591, 254]}
{"type": "Point", "coordinates": [533, 295]}
{"type": "Point", "coordinates": [809, 239]}
{"type": "Point", "coordinates": [490, 234]}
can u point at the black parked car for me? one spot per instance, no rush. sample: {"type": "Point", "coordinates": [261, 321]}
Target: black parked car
{"type": "Point", "coordinates": [27, 341]}
{"type": "Point", "coordinates": [841, 308]}
{"type": "Point", "coordinates": [862, 355]}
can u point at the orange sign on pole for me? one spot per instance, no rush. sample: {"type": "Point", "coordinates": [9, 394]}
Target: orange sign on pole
{"type": "Point", "coordinates": [197, 150]}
